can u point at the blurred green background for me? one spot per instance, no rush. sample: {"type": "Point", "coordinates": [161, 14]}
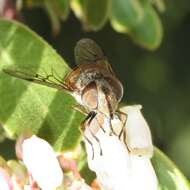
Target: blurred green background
{"type": "Point", "coordinates": [159, 79]}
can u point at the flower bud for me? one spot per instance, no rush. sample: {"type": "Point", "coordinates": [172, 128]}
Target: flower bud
{"type": "Point", "coordinates": [41, 162]}
{"type": "Point", "coordinates": [79, 185]}
{"type": "Point", "coordinates": [138, 135]}
{"type": "Point", "coordinates": [5, 176]}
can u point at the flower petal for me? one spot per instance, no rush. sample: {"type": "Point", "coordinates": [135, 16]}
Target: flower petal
{"type": "Point", "coordinates": [117, 168]}
{"type": "Point", "coordinates": [138, 135]}
{"type": "Point", "coordinates": [79, 185]}
{"type": "Point", "coordinates": [5, 180]}
{"type": "Point", "coordinates": [41, 162]}
{"type": "Point", "coordinates": [113, 166]}
{"type": "Point", "coordinates": [142, 174]}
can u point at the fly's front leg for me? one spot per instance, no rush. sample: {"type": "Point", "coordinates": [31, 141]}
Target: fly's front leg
{"type": "Point", "coordinates": [83, 127]}
{"type": "Point", "coordinates": [86, 123]}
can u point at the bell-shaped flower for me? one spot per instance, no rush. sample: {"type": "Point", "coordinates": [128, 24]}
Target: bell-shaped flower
{"type": "Point", "coordinates": [138, 136]}
{"type": "Point", "coordinates": [5, 176]}
{"type": "Point", "coordinates": [41, 162]}
{"type": "Point", "coordinates": [79, 185]}
{"type": "Point", "coordinates": [116, 167]}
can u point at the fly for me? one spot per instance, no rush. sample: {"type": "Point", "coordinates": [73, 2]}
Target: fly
{"type": "Point", "coordinates": [92, 83]}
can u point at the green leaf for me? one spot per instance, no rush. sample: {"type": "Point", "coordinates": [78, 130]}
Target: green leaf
{"type": "Point", "coordinates": [141, 22]}
{"type": "Point", "coordinates": [126, 14]}
{"type": "Point", "coordinates": [47, 112]}
{"type": "Point", "coordinates": [32, 3]}
{"type": "Point", "coordinates": [148, 33]}
{"type": "Point", "coordinates": [53, 16]}
{"type": "Point", "coordinates": [160, 5]}
{"type": "Point", "coordinates": [62, 7]}
{"type": "Point", "coordinates": [169, 176]}
{"type": "Point", "coordinates": [93, 13]}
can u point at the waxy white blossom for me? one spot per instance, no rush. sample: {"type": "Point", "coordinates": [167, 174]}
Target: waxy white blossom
{"type": "Point", "coordinates": [138, 135]}
{"type": "Point", "coordinates": [111, 158]}
{"type": "Point", "coordinates": [5, 176]}
{"type": "Point", "coordinates": [41, 162]}
{"type": "Point", "coordinates": [5, 180]}
{"type": "Point", "coordinates": [79, 185]}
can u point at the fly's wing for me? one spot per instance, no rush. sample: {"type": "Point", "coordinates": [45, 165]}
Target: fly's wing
{"type": "Point", "coordinates": [87, 51]}
{"type": "Point", "coordinates": [39, 79]}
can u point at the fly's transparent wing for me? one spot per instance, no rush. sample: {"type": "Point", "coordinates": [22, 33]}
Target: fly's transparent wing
{"type": "Point", "coordinates": [49, 80]}
{"type": "Point", "coordinates": [87, 51]}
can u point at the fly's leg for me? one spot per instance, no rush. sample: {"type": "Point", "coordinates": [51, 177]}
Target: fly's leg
{"type": "Point", "coordinates": [94, 136]}
{"type": "Point", "coordinates": [101, 127]}
{"type": "Point", "coordinates": [123, 118]}
{"type": "Point", "coordinates": [86, 123]}
{"type": "Point", "coordinates": [124, 139]}
{"type": "Point", "coordinates": [82, 128]}
{"type": "Point", "coordinates": [111, 127]}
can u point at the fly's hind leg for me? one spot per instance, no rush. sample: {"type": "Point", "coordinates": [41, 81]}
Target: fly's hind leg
{"type": "Point", "coordinates": [123, 118]}
{"type": "Point", "coordinates": [112, 132]}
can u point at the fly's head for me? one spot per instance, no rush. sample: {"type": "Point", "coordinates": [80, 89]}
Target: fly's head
{"type": "Point", "coordinates": [102, 95]}
{"type": "Point", "coordinates": [94, 84]}
{"type": "Point", "coordinates": [110, 92]}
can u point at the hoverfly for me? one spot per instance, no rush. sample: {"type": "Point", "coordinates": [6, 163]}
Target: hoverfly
{"type": "Point", "coordinates": [92, 83]}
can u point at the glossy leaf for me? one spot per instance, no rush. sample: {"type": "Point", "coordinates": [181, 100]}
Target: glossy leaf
{"type": "Point", "coordinates": [160, 5]}
{"type": "Point", "coordinates": [62, 6]}
{"type": "Point", "coordinates": [47, 112]}
{"type": "Point", "coordinates": [148, 33]}
{"type": "Point", "coordinates": [93, 13]}
{"type": "Point", "coordinates": [126, 14]}
{"type": "Point", "coordinates": [169, 176]}
{"type": "Point", "coordinates": [144, 25]}
{"type": "Point", "coordinates": [53, 14]}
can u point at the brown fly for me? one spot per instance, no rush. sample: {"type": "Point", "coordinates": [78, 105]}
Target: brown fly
{"type": "Point", "coordinates": [92, 83]}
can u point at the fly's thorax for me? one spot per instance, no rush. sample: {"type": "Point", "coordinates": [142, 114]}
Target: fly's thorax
{"type": "Point", "coordinates": [81, 76]}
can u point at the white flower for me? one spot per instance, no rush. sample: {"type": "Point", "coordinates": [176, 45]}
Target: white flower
{"type": "Point", "coordinates": [5, 180]}
{"type": "Point", "coordinates": [5, 175]}
{"type": "Point", "coordinates": [79, 185]}
{"type": "Point", "coordinates": [117, 168]}
{"type": "Point", "coordinates": [41, 162]}
{"type": "Point", "coordinates": [138, 135]}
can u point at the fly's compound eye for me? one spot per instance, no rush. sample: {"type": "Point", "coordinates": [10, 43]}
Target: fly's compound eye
{"type": "Point", "coordinates": [90, 96]}
{"type": "Point", "coordinates": [116, 87]}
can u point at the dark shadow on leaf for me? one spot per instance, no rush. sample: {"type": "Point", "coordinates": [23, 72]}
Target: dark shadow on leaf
{"type": "Point", "coordinates": [18, 49]}
{"type": "Point", "coordinates": [61, 125]}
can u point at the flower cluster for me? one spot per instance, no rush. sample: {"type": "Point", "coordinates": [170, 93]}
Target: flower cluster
{"type": "Point", "coordinates": [120, 162]}
{"type": "Point", "coordinates": [124, 163]}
